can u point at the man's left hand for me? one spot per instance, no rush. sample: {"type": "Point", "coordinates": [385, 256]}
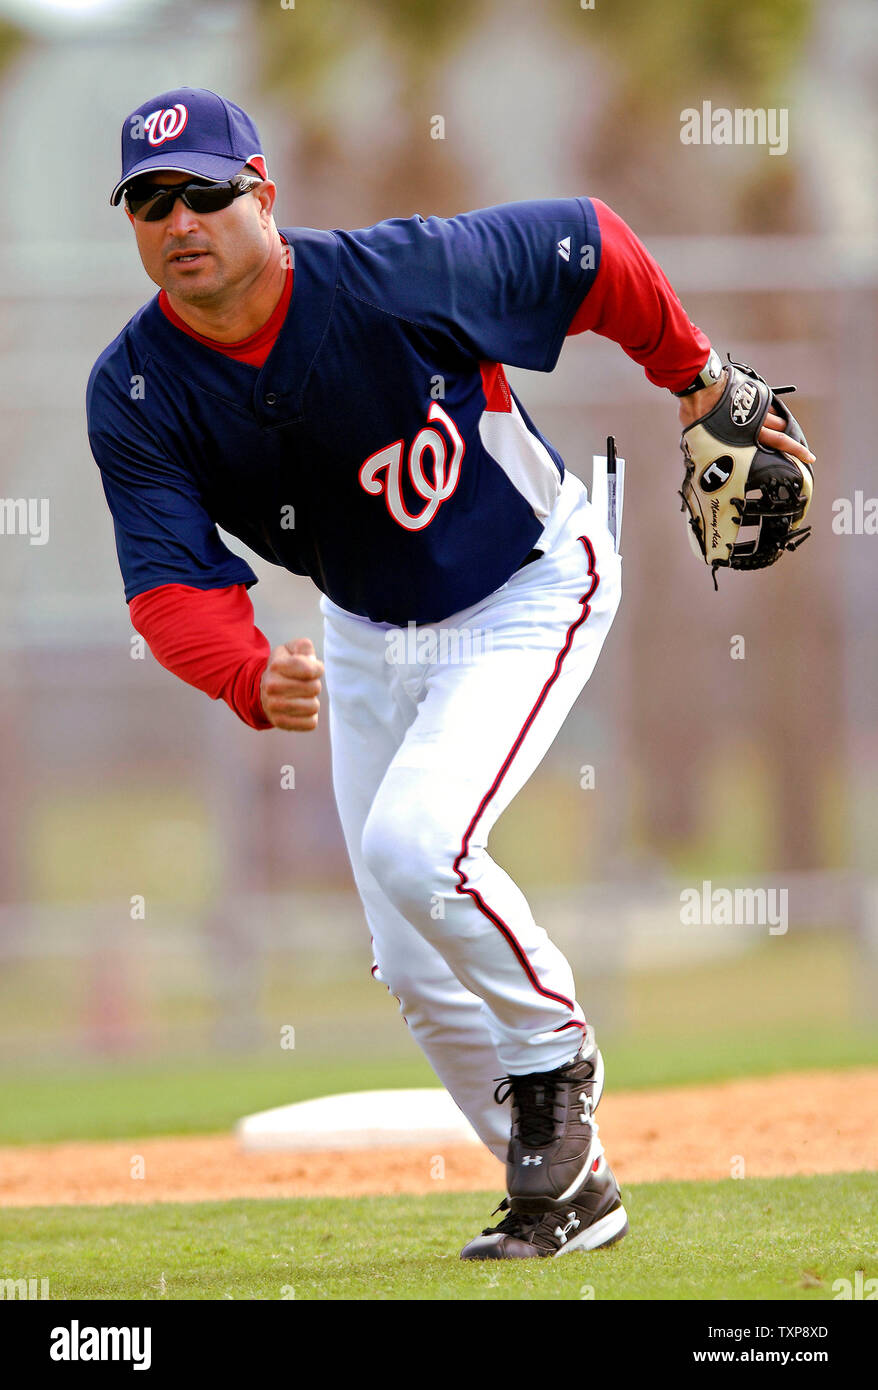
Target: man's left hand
{"type": "Point", "coordinates": [771, 435]}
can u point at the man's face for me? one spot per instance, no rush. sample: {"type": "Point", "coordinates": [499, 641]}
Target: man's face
{"type": "Point", "coordinates": [204, 258]}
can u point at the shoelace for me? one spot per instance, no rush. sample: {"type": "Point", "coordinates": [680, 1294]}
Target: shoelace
{"type": "Point", "coordinates": [514, 1223]}
{"type": "Point", "coordinates": [538, 1228]}
{"type": "Point", "coordinates": [535, 1100]}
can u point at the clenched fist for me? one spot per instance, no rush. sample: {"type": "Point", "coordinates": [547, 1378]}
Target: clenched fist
{"type": "Point", "coordinates": [291, 685]}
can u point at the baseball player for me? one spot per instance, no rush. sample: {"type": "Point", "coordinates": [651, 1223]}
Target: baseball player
{"type": "Point", "coordinates": [337, 401]}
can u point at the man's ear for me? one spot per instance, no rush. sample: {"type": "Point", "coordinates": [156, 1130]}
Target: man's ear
{"type": "Point", "coordinates": [266, 195]}
{"type": "Point", "coordinates": [129, 216]}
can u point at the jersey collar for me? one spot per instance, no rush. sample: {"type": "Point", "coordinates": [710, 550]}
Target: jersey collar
{"type": "Point", "coordinates": [274, 392]}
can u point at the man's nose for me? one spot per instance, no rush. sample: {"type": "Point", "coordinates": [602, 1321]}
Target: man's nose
{"type": "Point", "coordinates": [181, 220]}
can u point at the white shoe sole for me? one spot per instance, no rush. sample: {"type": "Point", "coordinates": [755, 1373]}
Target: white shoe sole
{"type": "Point", "coordinates": [610, 1228]}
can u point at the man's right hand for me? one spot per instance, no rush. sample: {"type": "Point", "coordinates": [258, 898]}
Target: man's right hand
{"type": "Point", "coordinates": [291, 685]}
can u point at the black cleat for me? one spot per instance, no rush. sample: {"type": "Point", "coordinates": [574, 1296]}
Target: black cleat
{"type": "Point", "coordinates": [554, 1143]}
{"type": "Point", "coordinates": [594, 1218]}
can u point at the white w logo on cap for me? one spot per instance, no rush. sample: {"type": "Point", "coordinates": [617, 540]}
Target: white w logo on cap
{"type": "Point", "coordinates": [165, 124]}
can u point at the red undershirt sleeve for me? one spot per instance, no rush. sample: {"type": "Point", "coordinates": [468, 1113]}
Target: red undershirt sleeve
{"type": "Point", "coordinates": [209, 639]}
{"type": "Point", "coordinates": [632, 301]}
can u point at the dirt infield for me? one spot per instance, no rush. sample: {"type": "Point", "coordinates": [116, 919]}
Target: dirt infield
{"type": "Point", "coordinates": [815, 1122]}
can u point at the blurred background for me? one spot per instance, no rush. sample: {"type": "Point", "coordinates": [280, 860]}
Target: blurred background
{"type": "Point", "coordinates": [168, 907]}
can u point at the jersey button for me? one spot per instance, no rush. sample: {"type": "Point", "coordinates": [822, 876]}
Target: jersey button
{"type": "Point", "coordinates": [271, 399]}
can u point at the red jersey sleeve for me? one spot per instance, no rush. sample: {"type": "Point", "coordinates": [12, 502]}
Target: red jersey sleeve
{"type": "Point", "coordinates": [633, 302]}
{"type": "Point", "coordinates": [209, 639]}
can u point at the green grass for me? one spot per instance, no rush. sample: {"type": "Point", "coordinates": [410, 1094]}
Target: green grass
{"type": "Point", "coordinates": [649, 1060]}
{"type": "Point", "coordinates": [198, 1097]}
{"type": "Point", "coordinates": [783, 1238]}
{"type": "Point", "coordinates": [815, 980]}
{"type": "Point", "coordinates": [182, 1097]}
{"type": "Point", "coordinates": [783, 1006]}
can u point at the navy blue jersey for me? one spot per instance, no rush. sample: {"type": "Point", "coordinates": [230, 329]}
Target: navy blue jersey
{"type": "Point", "coordinates": [369, 451]}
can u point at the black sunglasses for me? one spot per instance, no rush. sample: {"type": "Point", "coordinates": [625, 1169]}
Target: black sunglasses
{"type": "Point", "coordinates": [150, 202]}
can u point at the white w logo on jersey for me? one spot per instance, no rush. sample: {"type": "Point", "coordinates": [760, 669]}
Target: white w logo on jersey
{"type": "Point", "coordinates": [446, 474]}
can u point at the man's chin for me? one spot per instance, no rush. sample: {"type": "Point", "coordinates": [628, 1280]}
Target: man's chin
{"type": "Point", "coordinates": [193, 289]}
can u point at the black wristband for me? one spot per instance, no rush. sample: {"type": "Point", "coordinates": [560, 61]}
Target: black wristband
{"type": "Point", "coordinates": [709, 375]}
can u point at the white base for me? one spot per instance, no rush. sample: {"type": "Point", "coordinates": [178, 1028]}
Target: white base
{"type": "Point", "coordinates": [359, 1120]}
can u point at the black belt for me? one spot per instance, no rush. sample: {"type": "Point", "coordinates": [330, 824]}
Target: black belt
{"type": "Point", "coordinates": [534, 555]}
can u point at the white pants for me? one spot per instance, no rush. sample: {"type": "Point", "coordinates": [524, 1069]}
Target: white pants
{"type": "Point", "coordinates": [434, 730]}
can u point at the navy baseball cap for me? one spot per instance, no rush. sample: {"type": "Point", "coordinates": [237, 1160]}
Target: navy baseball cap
{"type": "Point", "coordinates": [190, 129]}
